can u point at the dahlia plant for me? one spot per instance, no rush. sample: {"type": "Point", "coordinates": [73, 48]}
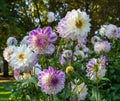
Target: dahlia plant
{"type": "Point", "coordinates": [61, 65]}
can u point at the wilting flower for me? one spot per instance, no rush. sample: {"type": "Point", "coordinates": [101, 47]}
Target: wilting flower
{"type": "Point", "coordinates": [111, 31]}
{"type": "Point", "coordinates": [69, 69]}
{"type": "Point", "coordinates": [74, 25]}
{"type": "Point", "coordinates": [96, 68]}
{"type": "Point", "coordinates": [95, 39]}
{"type": "Point", "coordinates": [51, 81]}
{"type": "Point", "coordinates": [40, 40]}
{"type": "Point", "coordinates": [8, 52]}
{"type": "Point", "coordinates": [80, 90]}
{"type": "Point", "coordinates": [51, 17]}
{"type": "Point", "coordinates": [103, 46]}
{"type": "Point", "coordinates": [11, 41]}
{"type": "Point", "coordinates": [22, 58]}
{"type": "Point", "coordinates": [65, 57]}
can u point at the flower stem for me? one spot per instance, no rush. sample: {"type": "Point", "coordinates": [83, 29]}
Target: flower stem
{"type": "Point", "coordinates": [96, 87]}
{"type": "Point", "coordinates": [51, 97]}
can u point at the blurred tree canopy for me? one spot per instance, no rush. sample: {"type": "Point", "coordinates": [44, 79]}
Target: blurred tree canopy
{"type": "Point", "coordinates": [17, 17]}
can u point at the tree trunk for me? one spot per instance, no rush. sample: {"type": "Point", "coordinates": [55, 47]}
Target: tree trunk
{"type": "Point", "coordinates": [5, 68]}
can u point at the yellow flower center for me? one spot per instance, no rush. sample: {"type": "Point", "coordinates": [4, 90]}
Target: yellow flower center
{"type": "Point", "coordinates": [79, 23]}
{"type": "Point", "coordinates": [21, 56]}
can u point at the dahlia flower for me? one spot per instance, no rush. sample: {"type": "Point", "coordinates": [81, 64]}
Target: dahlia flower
{"type": "Point", "coordinates": [11, 41]}
{"type": "Point", "coordinates": [74, 25]}
{"type": "Point", "coordinates": [81, 47]}
{"type": "Point", "coordinates": [8, 52]}
{"type": "Point", "coordinates": [40, 40]}
{"type": "Point", "coordinates": [103, 46]}
{"type": "Point", "coordinates": [51, 81]}
{"type": "Point", "coordinates": [51, 17]}
{"type": "Point", "coordinates": [80, 90]}
{"type": "Point", "coordinates": [96, 68]}
{"type": "Point", "coordinates": [111, 31]}
{"type": "Point", "coordinates": [23, 58]}
{"type": "Point", "coordinates": [95, 39]}
{"type": "Point", "coordinates": [65, 57]}
{"type": "Point", "coordinates": [79, 53]}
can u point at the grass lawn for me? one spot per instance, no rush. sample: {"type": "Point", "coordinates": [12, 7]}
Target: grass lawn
{"type": "Point", "coordinates": [5, 90]}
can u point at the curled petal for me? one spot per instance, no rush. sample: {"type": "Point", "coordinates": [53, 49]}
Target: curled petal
{"type": "Point", "coordinates": [11, 41]}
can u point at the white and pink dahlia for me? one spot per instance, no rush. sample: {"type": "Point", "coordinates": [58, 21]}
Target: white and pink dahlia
{"type": "Point", "coordinates": [40, 40]}
{"type": "Point", "coordinates": [74, 25]}
{"type": "Point", "coordinates": [100, 47]}
{"type": "Point", "coordinates": [51, 81]}
{"type": "Point", "coordinates": [23, 58]}
{"type": "Point", "coordinates": [8, 52]}
{"type": "Point", "coordinates": [111, 31]}
{"type": "Point", "coordinates": [96, 68]}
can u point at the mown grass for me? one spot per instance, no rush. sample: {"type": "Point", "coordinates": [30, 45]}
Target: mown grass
{"type": "Point", "coordinates": [5, 90]}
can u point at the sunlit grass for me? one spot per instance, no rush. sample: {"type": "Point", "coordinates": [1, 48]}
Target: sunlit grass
{"type": "Point", "coordinates": [5, 91]}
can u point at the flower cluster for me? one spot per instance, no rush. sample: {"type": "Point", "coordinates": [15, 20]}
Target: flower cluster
{"type": "Point", "coordinates": [36, 52]}
{"type": "Point", "coordinates": [110, 31]}
{"type": "Point", "coordinates": [67, 56]}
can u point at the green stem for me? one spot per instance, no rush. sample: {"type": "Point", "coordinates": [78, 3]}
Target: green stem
{"type": "Point", "coordinates": [96, 87]}
{"type": "Point", "coordinates": [52, 97]}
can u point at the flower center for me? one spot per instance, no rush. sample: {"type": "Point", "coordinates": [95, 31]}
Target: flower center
{"type": "Point", "coordinates": [79, 23]}
{"type": "Point", "coordinates": [54, 80]}
{"type": "Point", "coordinates": [95, 68]}
{"type": "Point", "coordinates": [21, 56]}
{"type": "Point", "coordinates": [80, 48]}
{"type": "Point", "coordinates": [41, 41]}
